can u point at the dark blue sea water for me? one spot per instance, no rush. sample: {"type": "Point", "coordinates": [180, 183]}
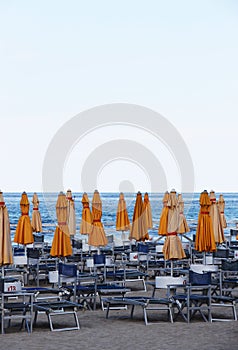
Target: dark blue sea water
{"type": "Point", "coordinates": [109, 204]}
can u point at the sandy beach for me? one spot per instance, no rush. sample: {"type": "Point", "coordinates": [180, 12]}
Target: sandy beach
{"type": "Point", "coordinates": [121, 332]}
{"type": "Point", "coordinates": [98, 333]}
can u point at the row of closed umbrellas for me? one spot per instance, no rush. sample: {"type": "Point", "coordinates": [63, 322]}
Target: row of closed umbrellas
{"type": "Point", "coordinates": [211, 222]}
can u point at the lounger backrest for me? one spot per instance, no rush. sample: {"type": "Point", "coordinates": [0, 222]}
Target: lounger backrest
{"type": "Point", "coordinates": [77, 244]}
{"type": "Point", "coordinates": [143, 248]}
{"type": "Point", "coordinates": [196, 279]}
{"type": "Point", "coordinates": [229, 265]}
{"type": "Point", "coordinates": [69, 270]}
{"type": "Point", "coordinates": [38, 238]}
{"type": "Point", "coordinates": [99, 259]}
{"type": "Point", "coordinates": [221, 253]}
{"type": "Point", "coordinates": [33, 253]}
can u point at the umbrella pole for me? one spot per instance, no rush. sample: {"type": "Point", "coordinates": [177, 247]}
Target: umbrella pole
{"type": "Point", "coordinates": [204, 258]}
{"type": "Point", "coordinates": [172, 268]}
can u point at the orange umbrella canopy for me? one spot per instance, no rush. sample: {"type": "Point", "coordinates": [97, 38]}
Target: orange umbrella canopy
{"type": "Point", "coordinates": [97, 235]}
{"type": "Point", "coordinates": [23, 233]}
{"type": "Point", "coordinates": [36, 217]}
{"type": "Point", "coordinates": [216, 219]}
{"type": "Point", "coordinates": [122, 219]}
{"type": "Point", "coordinates": [221, 206]}
{"type": "Point", "coordinates": [163, 224]}
{"type": "Point", "coordinates": [71, 217]}
{"type": "Point", "coordinates": [205, 240]}
{"type": "Point", "coordinates": [172, 248]}
{"type": "Point", "coordinates": [61, 245]}
{"type": "Point", "coordinates": [86, 222]}
{"type": "Point", "coordinates": [139, 222]}
{"type": "Point", "coordinates": [148, 211]}
{"type": "Point", "coordinates": [183, 225]}
{"type": "Point", "coordinates": [5, 235]}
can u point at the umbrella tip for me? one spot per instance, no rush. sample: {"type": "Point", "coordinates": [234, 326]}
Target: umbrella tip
{"type": "Point", "coordinates": [1, 197]}
{"type": "Point", "coordinates": [69, 193]}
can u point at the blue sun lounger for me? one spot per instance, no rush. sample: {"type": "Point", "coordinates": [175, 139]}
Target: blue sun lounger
{"type": "Point", "coordinates": [147, 304]}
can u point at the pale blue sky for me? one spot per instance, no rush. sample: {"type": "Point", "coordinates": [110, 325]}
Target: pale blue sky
{"type": "Point", "coordinates": [58, 58]}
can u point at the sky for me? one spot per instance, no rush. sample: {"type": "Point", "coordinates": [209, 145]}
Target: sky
{"type": "Point", "coordinates": [61, 58]}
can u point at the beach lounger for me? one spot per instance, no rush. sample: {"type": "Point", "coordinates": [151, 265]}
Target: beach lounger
{"type": "Point", "coordinates": [111, 289]}
{"type": "Point", "coordinates": [229, 277]}
{"type": "Point", "coordinates": [128, 276]}
{"type": "Point", "coordinates": [221, 302]}
{"type": "Point", "coordinates": [17, 306]}
{"type": "Point", "coordinates": [58, 309]}
{"type": "Point", "coordinates": [45, 293]}
{"type": "Point", "coordinates": [148, 304]}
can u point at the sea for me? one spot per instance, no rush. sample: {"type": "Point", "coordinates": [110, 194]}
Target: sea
{"type": "Point", "coordinates": [109, 208]}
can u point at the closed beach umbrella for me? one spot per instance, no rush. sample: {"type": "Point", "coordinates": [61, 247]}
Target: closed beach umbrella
{"type": "Point", "coordinates": [5, 236]}
{"type": "Point", "coordinates": [97, 235]}
{"type": "Point", "coordinates": [148, 211]}
{"type": "Point", "coordinates": [122, 219]}
{"type": "Point", "coordinates": [23, 233]}
{"type": "Point", "coordinates": [216, 219]}
{"type": "Point", "coordinates": [163, 224]}
{"type": "Point", "coordinates": [205, 240]}
{"type": "Point", "coordinates": [172, 248]}
{"type": "Point", "coordinates": [183, 225]}
{"type": "Point", "coordinates": [221, 206]}
{"type": "Point", "coordinates": [71, 213]}
{"type": "Point", "coordinates": [139, 222]}
{"type": "Point", "coordinates": [36, 222]}
{"type": "Point", "coordinates": [61, 245]}
{"type": "Point", "coordinates": [86, 222]}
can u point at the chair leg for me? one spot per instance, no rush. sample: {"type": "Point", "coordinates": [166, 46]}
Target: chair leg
{"type": "Point", "coordinates": [108, 308]}
{"type": "Point", "coordinates": [145, 316]}
{"type": "Point", "coordinates": [234, 312]}
{"type": "Point", "coordinates": [132, 310]}
{"type": "Point", "coordinates": [171, 314]}
{"type": "Point", "coordinates": [35, 318]}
